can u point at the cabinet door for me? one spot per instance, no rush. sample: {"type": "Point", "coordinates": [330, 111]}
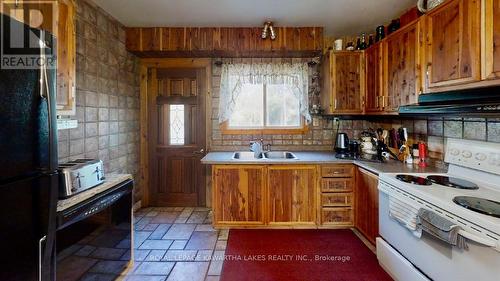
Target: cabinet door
{"type": "Point", "coordinates": [291, 196]}
{"type": "Point", "coordinates": [238, 194]}
{"type": "Point", "coordinates": [402, 68]}
{"type": "Point", "coordinates": [452, 53]}
{"type": "Point", "coordinates": [66, 53]}
{"type": "Point", "coordinates": [367, 204]}
{"type": "Point", "coordinates": [348, 82]}
{"type": "Point", "coordinates": [374, 76]}
{"type": "Point", "coordinates": [491, 58]}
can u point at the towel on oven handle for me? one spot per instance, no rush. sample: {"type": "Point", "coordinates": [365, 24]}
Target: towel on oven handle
{"type": "Point", "coordinates": [441, 228]}
{"type": "Point", "coordinates": [405, 212]}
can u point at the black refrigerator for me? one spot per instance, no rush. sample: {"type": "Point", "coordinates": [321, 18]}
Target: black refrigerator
{"type": "Point", "coordinates": [28, 160]}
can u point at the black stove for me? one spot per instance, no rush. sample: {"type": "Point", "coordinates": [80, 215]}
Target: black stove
{"type": "Point", "coordinates": [414, 179]}
{"type": "Point", "coordinates": [480, 205]}
{"type": "Point", "coordinates": [452, 182]}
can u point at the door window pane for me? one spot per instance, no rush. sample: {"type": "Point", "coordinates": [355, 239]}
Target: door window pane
{"type": "Point", "coordinates": [249, 111]}
{"type": "Point", "coordinates": [282, 107]}
{"type": "Point", "coordinates": [176, 124]}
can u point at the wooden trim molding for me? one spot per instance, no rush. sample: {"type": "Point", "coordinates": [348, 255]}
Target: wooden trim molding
{"type": "Point", "coordinates": [223, 42]}
{"type": "Point", "coordinates": [225, 130]}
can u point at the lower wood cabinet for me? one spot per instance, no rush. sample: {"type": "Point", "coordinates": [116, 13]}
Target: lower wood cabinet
{"type": "Point", "coordinates": [238, 194]}
{"type": "Point", "coordinates": [366, 194]}
{"type": "Point", "coordinates": [291, 195]}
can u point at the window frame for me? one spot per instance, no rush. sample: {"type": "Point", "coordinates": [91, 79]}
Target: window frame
{"type": "Point", "coordinates": [296, 130]}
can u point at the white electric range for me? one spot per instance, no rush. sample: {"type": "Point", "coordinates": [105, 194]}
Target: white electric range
{"type": "Point", "coordinates": [468, 195]}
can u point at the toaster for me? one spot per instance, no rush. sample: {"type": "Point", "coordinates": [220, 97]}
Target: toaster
{"type": "Point", "coordinates": [79, 175]}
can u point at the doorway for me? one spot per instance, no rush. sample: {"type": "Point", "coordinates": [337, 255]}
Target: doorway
{"type": "Point", "coordinates": [177, 135]}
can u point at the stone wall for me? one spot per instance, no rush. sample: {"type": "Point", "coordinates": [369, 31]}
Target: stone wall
{"type": "Point", "coordinates": [107, 95]}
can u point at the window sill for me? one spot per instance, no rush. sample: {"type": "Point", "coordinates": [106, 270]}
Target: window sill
{"type": "Point", "coordinates": [264, 131]}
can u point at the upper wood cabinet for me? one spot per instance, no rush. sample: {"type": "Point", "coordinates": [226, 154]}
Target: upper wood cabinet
{"type": "Point", "coordinates": [491, 50]}
{"type": "Point", "coordinates": [452, 44]}
{"type": "Point", "coordinates": [367, 204]}
{"type": "Point", "coordinates": [238, 194]}
{"type": "Point", "coordinates": [343, 82]}
{"type": "Point", "coordinates": [66, 58]}
{"type": "Point", "coordinates": [402, 75]}
{"type": "Point", "coordinates": [291, 194]}
{"type": "Point", "coordinates": [374, 79]}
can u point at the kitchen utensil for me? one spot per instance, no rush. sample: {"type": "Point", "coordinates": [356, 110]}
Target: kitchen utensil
{"type": "Point", "coordinates": [342, 143]}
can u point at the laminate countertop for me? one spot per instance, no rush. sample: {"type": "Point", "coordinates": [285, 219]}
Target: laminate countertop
{"type": "Point", "coordinates": [322, 157]}
{"type": "Point", "coordinates": [111, 181]}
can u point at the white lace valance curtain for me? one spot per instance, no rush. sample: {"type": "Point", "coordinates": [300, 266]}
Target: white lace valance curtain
{"type": "Point", "coordinates": [234, 76]}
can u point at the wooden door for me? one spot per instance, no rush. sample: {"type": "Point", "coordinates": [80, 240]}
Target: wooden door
{"type": "Point", "coordinates": [177, 140]}
{"type": "Point", "coordinates": [348, 82]}
{"type": "Point", "coordinates": [453, 49]}
{"type": "Point", "coordinates": [402, 68]}
{"type": "Point", "coordinates": [491, 27]}
{"type": "Point", "coordinates": [238, 194]}
{"type": "Point", "coordinates": [374, 78]}
{"type": "Point", "coordinates": [367, 204]}
{"type": "Point", "coordinates": [291, 193]}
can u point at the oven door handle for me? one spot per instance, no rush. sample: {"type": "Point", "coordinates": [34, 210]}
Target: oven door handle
{"type": "Point", "coordinates": [483, 241]}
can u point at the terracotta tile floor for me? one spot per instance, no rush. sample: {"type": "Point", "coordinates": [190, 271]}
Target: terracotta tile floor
{"type": "Point", "coordinates": [175, 243]}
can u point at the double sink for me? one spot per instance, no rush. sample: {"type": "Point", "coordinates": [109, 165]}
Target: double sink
{"type": "Point", "coordinates": [271, 155]}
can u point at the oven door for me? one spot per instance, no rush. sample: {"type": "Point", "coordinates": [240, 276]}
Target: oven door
{"type": "Point", "coordinates": [432, 257]}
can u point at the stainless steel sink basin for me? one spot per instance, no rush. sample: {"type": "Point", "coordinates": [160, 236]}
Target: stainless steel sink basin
{"type": "Point", "coordinates": [280, 155]}
{"type": "Point", "coordinates": [246, 155]}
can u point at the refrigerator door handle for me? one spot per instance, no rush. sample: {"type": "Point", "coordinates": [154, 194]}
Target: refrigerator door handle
{"type": "Point", "coordinates": [40, 256]}
{"type": "Point", "coordinates": [45, 92]}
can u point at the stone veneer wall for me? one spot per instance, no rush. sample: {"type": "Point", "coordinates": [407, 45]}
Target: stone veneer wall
{"type": "Point", "coordinates": [107, 95]}
{"type": "Point", "coordinates": [319, 137]}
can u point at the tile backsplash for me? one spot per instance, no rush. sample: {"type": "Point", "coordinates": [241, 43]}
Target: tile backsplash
{"type": "Point", "coordinates": [107, 97]}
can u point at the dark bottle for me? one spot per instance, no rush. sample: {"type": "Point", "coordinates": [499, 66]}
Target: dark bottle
{"type": "Point", "coordinates": [363, 45]}
{"type": "Point", "coordinates": [358, 43]}
{"type": "Point", "coordinates": [370, 40]}
{"type": "Point", "coordinates": [380, 33]}
{"type": "Point", "coordinates": [395, 24]}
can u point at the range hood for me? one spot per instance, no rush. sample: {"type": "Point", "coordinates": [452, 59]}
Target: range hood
{"type": "Point", "coordinates": [481, 102]}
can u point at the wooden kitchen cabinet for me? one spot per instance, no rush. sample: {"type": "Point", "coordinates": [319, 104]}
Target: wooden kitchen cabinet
{"type": "Point", "coordinates": [366, 197]}
{"type": "Point", "coordinates": [66, 58]}
{"type": "Point", "coordinates": [343, 82]}
{"type": "Point", "coordinates": [452, 44]}
{"type": "Point", "coordinates": [402, 75]}
{"type": "Point", "coordinates": [374, 79]}
{"type": "Point", "coordinates": [291, 193]}
{"type": "Point", "coordinates": [336, 203]}
{"type": "Point", "coordinates": [491, 58]}
{"type": "Point", "coordinates": [238, 194]}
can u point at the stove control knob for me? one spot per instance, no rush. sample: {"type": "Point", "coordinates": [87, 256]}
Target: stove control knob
{"type": "Point", "coordinates": [480, 156]}
{"type": "Point", "coordinates": [454, 151]}
{"type": "Point", "coordinates": [466, 154]}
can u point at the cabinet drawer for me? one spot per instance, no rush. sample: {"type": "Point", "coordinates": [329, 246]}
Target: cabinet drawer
{"type": "Point", "coordinates": [336, 199]}
{"type": "Point", "coordinates": [337, 185]}
{"type": "Point", "coordinates": [338, 216]}
{"type": "Point", "coordinates": [337, 171]}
